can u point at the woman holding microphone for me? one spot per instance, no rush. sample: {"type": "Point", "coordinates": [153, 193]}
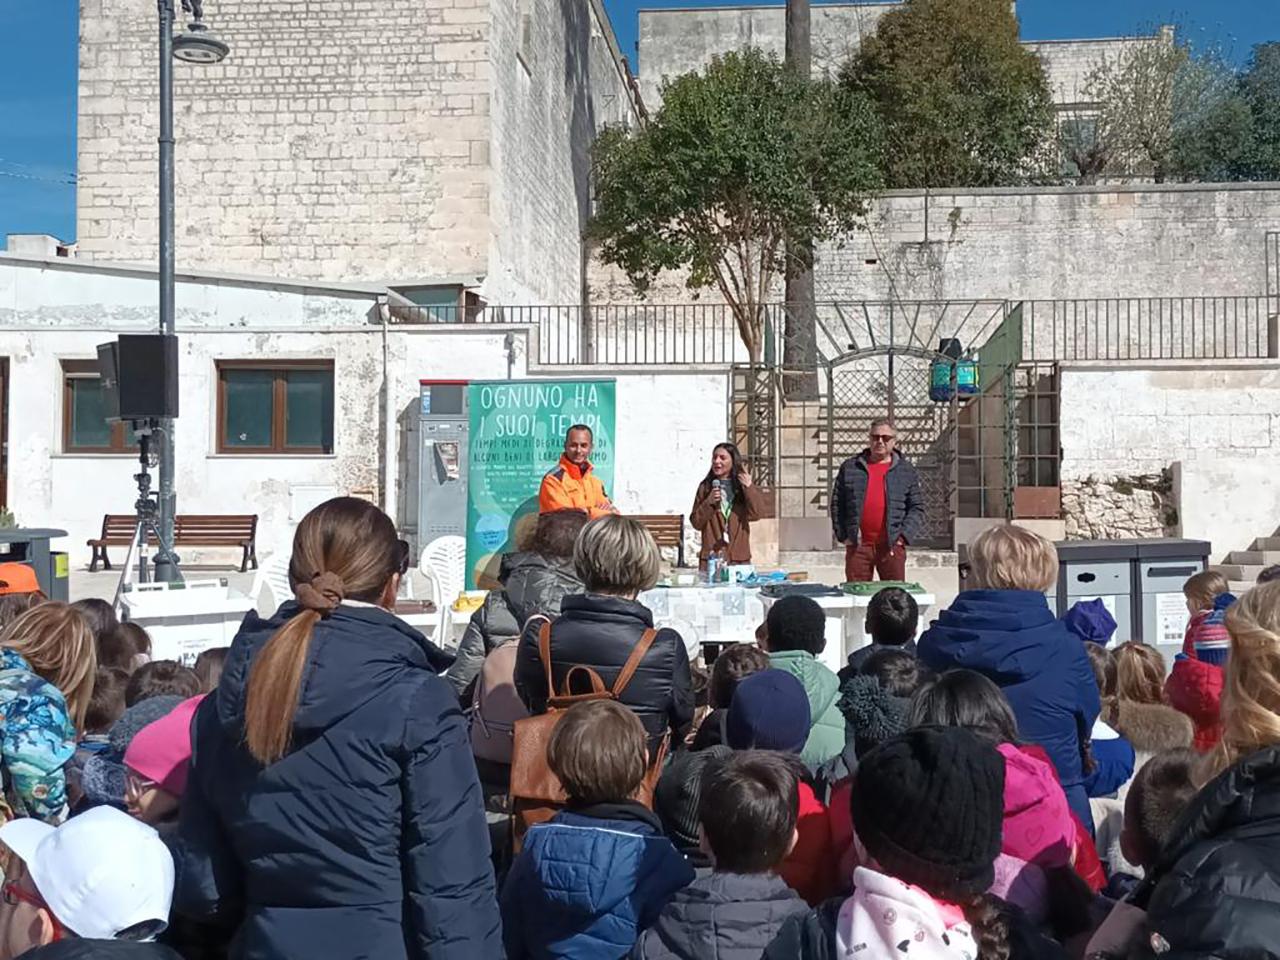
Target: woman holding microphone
{"type": "Point", "coordinates": [726, 503]}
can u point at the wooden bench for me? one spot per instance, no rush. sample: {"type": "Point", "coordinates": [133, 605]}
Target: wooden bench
{"type": "Point", "coordinates": [189, 530]}
{"type": "Point", "coordinates": [667, 530]}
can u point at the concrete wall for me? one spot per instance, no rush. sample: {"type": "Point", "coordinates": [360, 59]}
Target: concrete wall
{"type": "Point", "coordinates": [53, 311]}
{"type": "Point", "coordinates": [1219, 422]}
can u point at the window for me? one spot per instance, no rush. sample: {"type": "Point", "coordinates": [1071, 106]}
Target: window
{"type": "Point", "coordinates": [85, 428]}
{"type": "Point", "coordinates": [281, 407]}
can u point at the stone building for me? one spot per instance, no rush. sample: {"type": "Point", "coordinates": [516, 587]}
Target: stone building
{"type": "Point", "coordinates": [354, 140]}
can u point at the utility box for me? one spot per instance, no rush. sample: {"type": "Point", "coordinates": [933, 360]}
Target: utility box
{"type": "Point", "coordinates": [436, 457]}
{"type": "Point", "coordinates": [31, 546]}
{"type": "Point", "coordinates": [1140, 581]}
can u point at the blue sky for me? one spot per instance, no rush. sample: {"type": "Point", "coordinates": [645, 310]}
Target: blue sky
{"type": "Point", "coordinates": [38, 78]}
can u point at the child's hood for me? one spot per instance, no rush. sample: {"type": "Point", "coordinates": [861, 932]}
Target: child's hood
{"type": "Point", "coordinates": [886, 918]}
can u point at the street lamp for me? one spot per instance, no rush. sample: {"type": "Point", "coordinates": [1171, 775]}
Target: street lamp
{"type": "Point", "coordinates": [197, 44]}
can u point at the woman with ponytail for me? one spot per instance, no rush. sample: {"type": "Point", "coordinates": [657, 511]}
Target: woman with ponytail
{"type": "Point", "coordinates": [1215, 891]}
{"type": "Point", "coordinates": [927, 809]}
{"type": "Point", "coordinates": [332, 809]}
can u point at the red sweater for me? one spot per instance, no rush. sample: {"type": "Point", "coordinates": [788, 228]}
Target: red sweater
{"type": "Point", "coordinates": [810, 868]}
{"type": "Point", "coordinates": [1195, 688]}
{"type": "Point", "coordinates": [871, 525]}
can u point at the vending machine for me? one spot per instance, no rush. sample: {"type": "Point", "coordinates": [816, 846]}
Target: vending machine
{"type": "Point", "coordinates": [436, 458]}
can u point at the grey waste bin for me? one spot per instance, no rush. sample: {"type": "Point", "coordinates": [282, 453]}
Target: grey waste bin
{"type": "Point", "coordinates": [31, 546]}
{"type": "Point", "coordinates": [1140, 580]}
{"type": "Point", "coordinates": [1099, 569]}
{"type": "Point", "coordinates": [1163, 566]}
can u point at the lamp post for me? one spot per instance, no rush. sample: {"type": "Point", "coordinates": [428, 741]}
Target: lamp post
{"type": "Point", "coordinates": [194, 45]}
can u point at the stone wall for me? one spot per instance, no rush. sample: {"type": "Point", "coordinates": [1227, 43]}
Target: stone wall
{"type": "Point", "coordinates": [344, 139]}
{"type": "Point", "coordinates": [673, 42]}
{"type": "Point", "coordinates": [1123, 428]}
{"type": "Point", "coordinates": [351, 139]}
{"type": "Point", "coordinates": [557, 78]}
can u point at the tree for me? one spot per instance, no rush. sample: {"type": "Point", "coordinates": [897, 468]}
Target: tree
{"type": "Point", "coordinates": [1260, 89]}
{"type": "Point", "coordinates": [962, 101]}
{"type": "Point", "coordinates": [1167, 112]}
{"type": "Point", "coordinates": [740, 161]}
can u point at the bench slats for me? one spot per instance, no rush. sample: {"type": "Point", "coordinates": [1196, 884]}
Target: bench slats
{"type": "Point", "coordinates": [667, 530]}
{"type": "Point", "coordinates": [189, 529]}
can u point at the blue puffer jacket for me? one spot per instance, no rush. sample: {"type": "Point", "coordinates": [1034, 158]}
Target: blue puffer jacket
{"type": "Point", "coordinates": [368, 839]}
{"type": "Point", "coordinates": [587, 883]}
{"type": "Point", "coordinates": [1013, 638]}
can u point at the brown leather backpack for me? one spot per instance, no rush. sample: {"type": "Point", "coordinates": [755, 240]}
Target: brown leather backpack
{"type": "Point", "coordinates": [536, 794]}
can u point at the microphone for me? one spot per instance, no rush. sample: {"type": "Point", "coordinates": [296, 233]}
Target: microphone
{"type": "Point", "coordinates": [715, 484]}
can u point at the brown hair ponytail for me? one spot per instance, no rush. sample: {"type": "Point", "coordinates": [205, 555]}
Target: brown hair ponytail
{"type": "Point", "coordinates": [990, 928]}
{"type": "Point", "coordinates": [343, 548]}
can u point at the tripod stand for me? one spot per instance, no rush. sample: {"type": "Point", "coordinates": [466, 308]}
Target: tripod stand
{"type": "Point", "coordinates": [146, 529]}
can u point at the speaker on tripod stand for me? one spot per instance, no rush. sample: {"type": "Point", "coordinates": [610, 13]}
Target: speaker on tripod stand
{"type": "Point", "coordinates": [139, 374]}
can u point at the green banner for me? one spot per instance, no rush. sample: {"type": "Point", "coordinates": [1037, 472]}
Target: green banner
{"type": "Point", "coordinates": [516, 435]}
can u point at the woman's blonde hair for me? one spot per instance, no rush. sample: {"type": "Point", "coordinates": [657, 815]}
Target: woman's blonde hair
{"type": "Point", "coordinates": [346, 547]}
{"type": "Point", "coordinates": [1140, 672]}
{"type": "Point", "coordinates": [1251, 694]}
{"type": "Point", "coordinates": [1008, 557]}
{"type": "Point", "coordinates": [616, 555]}
{"type": "Point", "coordinates": [56, 640]}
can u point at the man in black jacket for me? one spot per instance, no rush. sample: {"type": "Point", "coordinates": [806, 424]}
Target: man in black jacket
{"type": "Point", "coordinates": [876, 508]}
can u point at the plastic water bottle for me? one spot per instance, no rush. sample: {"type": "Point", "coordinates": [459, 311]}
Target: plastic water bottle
{"type": "Point", "coordinates": [713, 568]}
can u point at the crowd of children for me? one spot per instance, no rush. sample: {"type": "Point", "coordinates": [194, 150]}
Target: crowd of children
{"type": "Point", "coordinates": [1009, 785]}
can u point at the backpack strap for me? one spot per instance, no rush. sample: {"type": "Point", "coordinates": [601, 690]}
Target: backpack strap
{"type": "Point", "coordinates": [633, 662]}
{"type": "Point", "coordinates": [544, 654]}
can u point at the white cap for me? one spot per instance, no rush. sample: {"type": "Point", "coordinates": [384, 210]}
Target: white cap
{"type": "Point", "coordinates": [99, 873]}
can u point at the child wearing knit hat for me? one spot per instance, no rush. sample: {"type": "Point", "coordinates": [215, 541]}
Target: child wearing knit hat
{"type": "Point", "coordinates": [927, 806]}
{"type": "Point", "coordinates": [1195, 684]}
{"type": "Point", "coordinates": [770, 711]}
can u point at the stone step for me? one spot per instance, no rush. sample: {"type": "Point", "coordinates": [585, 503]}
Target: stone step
{"type": "Point", "coordinates": [1237, 572]}
{"type": "Point", "coordinates": [1266, 544]}
{"type": "Point", "coordinates": [1263, 558]}
{"type": "Point", "coordinates": [1240, 587]}
{"type": "Point", "coordinates": [799, 559]}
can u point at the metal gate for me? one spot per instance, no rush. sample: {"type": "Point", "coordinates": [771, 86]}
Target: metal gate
{"type": "Point", "coordinates": [965, 449]}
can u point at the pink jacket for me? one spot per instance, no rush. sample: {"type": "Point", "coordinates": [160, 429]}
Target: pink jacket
{"type": "Point", "coordinates": [1037, 821]}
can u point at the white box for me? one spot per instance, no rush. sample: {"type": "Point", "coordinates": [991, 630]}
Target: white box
{"type": "Point", "coordinates": [186, 619]}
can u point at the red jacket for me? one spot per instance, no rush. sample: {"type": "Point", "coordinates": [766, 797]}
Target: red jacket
{"type": "Point", "coordinates": [1195, 688]}
{"type": "Point", "coordinates": [810, 868]}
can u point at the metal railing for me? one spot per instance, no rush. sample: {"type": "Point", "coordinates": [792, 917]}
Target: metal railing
{"type": "Point", "coordinates": [1149, 328]}
{"type": "Point", "coordinates": [706, 334]}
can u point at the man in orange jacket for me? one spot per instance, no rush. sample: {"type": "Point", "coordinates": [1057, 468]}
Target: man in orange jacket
{"type": "Point", "coordinates": [572, 485]}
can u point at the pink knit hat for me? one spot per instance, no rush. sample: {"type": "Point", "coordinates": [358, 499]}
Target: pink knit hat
{"type": "Point", "coordinates": [161, 751]}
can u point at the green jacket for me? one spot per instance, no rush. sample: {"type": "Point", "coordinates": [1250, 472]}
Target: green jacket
{"type": "Point", "coordinates": [826, 724]}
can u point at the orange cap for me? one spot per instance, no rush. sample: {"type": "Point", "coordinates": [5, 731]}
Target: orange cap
{"type": "Point", "coordinates": [17, 578]}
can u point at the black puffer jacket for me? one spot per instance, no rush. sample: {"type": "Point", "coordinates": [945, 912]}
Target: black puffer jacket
{"type": "Point", "coordinates": [531, 584]}
{"type": "Point", "coordinates": [369, 838]}
{"type": "Point", "coordinates": [600, 632]}
{"type": "Point", "coordinates": [724, 916]}
{"type": "Point", "coordinates": [76, 949]}
{"type": "Point", "coordinates": [904, 503]}
{"type": "Point", "coordinates": [1216, 891]}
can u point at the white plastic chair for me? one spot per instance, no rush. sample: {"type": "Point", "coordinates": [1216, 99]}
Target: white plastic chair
{"type": "Point", "coordinates": [272, 583]}
{"type": "Point", "coordinates": [444, 564]}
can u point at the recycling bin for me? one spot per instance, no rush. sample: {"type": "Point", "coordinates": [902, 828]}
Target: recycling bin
{"type": "Point", "coordinates": [31, 546]}
{"type": "Point", "coordinates": [1099, 570]}
{"type": "Point", "coordinates": [1140, 581]}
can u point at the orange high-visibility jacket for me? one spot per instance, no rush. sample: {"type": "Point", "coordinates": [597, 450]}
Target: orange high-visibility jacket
{"type": "Point", "coordinates": [569, 487]}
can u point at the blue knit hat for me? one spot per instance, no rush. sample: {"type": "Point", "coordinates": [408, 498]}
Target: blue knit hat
{"type": "Point", "coordinates": [769, 711]}
{"type": "Point", "coordinates": [1211, 641]}
{"type": "Point", "coordinates": [103, 779]}
{"type": "Point", "coordinates": [1090, 620]}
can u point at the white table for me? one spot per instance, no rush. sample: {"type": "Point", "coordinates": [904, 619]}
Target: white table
{"type": "Point", "coordinates": [846, 628]}
{"type": "Point", "coordinates": [706, 614]}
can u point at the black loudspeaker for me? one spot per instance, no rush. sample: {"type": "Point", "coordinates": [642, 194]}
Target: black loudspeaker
{"type": "Point", "coordinates": [140, 376]}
